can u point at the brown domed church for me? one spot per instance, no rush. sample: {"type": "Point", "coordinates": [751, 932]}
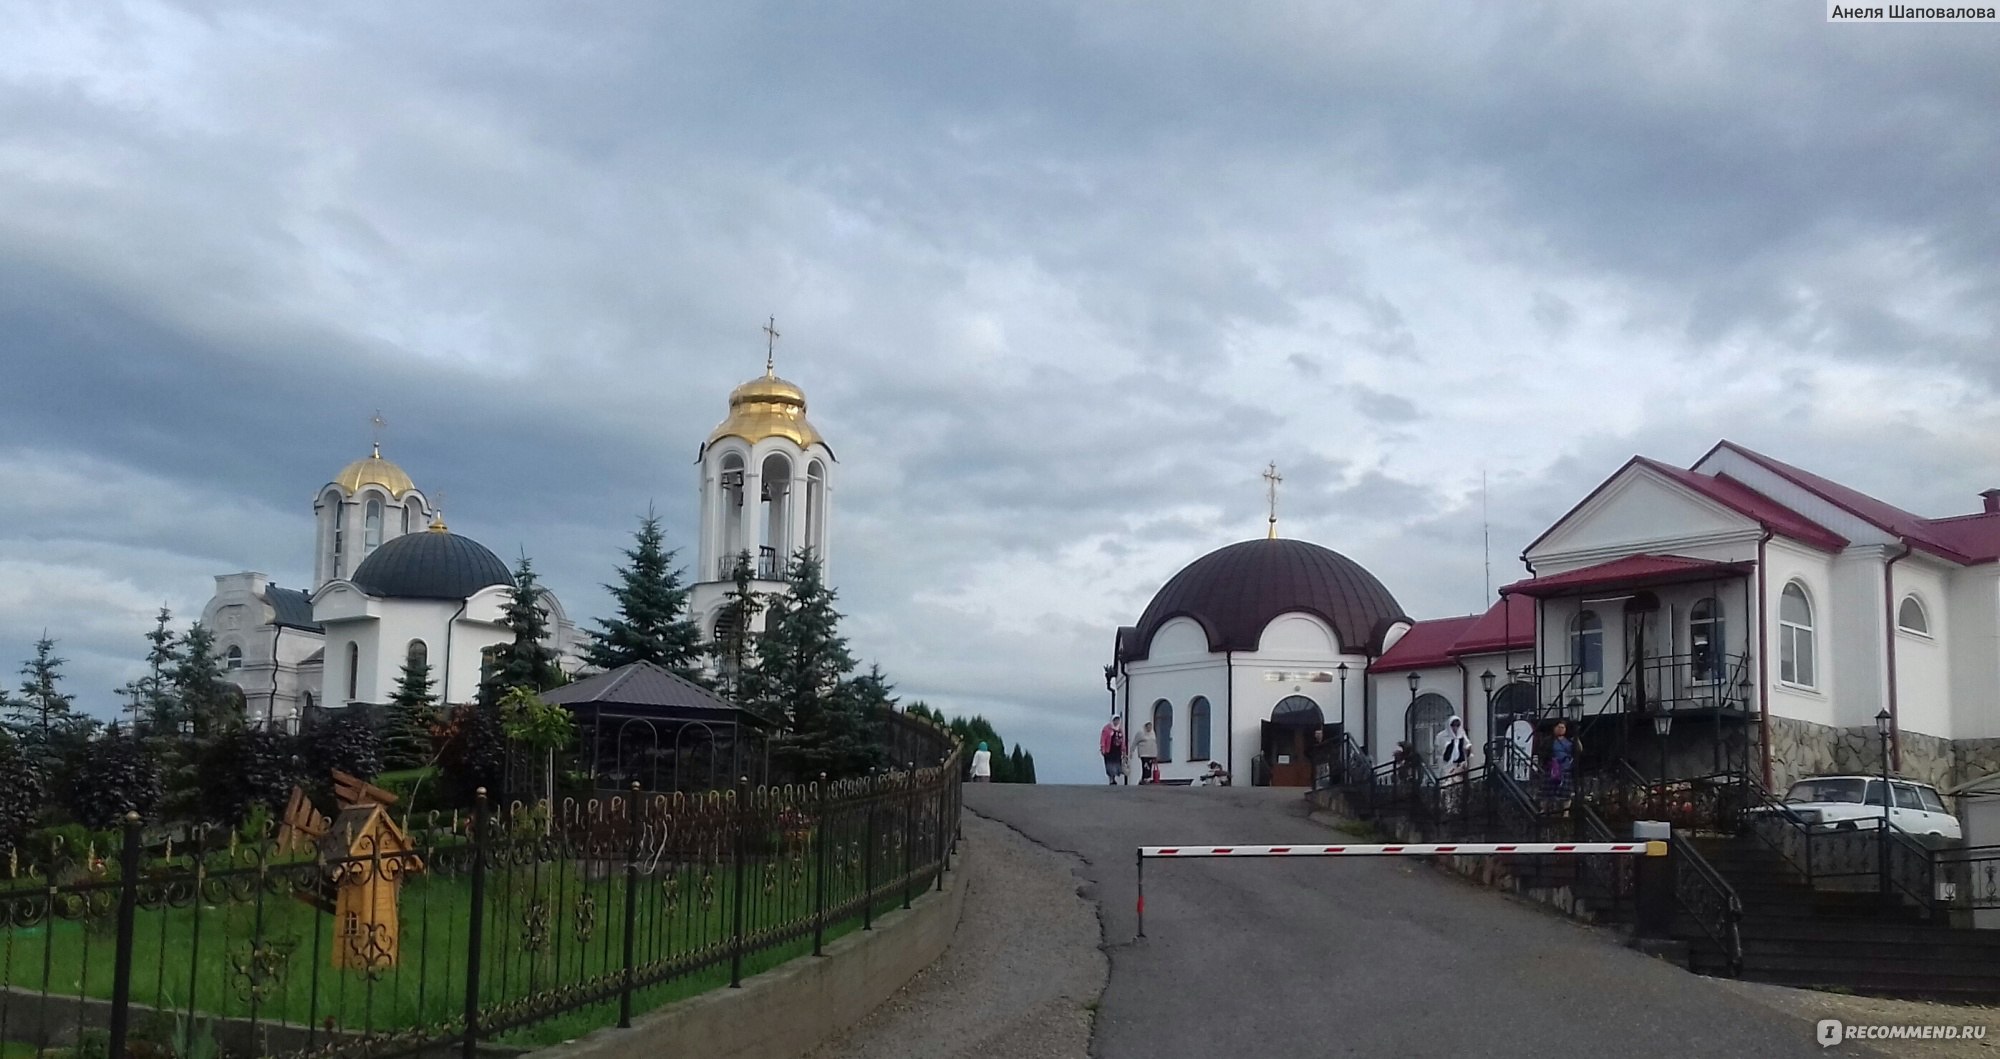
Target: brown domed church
{"type": "Point", "coordinates": [1249, 653]}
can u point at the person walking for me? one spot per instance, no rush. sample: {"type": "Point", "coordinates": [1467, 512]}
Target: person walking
{"type": "Point", "coordinates": [1452, 750]}
{"type": "Point", "coordinates": [1147, 746]}
{"type": "Point", "coordinates": [1111, 744]}
{"type": "Point", "coordinates": [982, 765]}
{"type": "Point", "coordinates": [1563, 751]}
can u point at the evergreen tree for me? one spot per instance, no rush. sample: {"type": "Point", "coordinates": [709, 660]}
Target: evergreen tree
{"type": "Point", "coordinates": [1018, 764]}
{"type": "Point", "coordinates": [150, 699]}
{"type": "Point", "coordinates": [1027, 771]}
{"type": "Point", "coordinates": [21, 794]}
{"type": "Point", "coordinates": [41, 717]}
{"type": "Point", "coordinates": [801, 656]}
{"type": "Point", "coordinates": [205, 703]}
{"type": "Point", "coordinates": [412, 713]}
{"type": "Point", "coordinates": [527, 662]}
{"type": "Point", "coordinates": [735, 646]}
{"type": "Point", "coordinates": [652, 623]}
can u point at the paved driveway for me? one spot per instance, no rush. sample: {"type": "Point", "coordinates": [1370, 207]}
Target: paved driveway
{"type": "Point", "coordinates": [1324, 957]}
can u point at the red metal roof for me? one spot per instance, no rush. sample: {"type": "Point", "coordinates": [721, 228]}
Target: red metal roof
{"type": "Point", "coordinates": [1965, 539]}
{"type": "Point", "coordinates": [1427, 645]}
{"type": "Point", "coordinates": [1752, 504]}
{"type": "Point", "coordinates": [1508, 625]}
{"type": "Point", "coordinates": [1633, 571]}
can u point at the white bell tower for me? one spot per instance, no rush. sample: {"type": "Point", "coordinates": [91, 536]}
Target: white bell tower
{"type": "Point", "coordinates": [766, 484]}
{"type": "Point", "coordinates": [370, 502]}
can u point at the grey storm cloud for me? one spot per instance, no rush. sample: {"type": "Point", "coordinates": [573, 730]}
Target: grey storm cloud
{"type": "Point", "coordinates": [1059, 280]}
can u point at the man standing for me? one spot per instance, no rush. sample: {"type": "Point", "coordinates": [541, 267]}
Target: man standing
{"type": "Point", "coordinates": [1111, 744]}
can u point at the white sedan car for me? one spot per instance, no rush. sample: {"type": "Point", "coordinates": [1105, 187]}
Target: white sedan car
{"type": "Point", "coordinates": [1851, 803]}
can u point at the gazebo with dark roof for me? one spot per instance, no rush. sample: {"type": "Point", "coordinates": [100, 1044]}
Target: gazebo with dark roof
{"type": "Point", "coordinates": [646, 724]}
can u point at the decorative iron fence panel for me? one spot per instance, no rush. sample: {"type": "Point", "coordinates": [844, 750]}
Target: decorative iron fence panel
{"type": "Point", "coordinates": [522, 923]}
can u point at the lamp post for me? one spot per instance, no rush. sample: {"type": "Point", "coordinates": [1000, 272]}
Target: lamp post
{"type": "Point", "coordinates": [1663, 724]}
{"type": "Point", "coordinates": [1486, 685]}
{"type": "Point", "coordinates": [1342, 670]}
{"type": "Point", "coordinates": [1883, 723]}
{"type": "Point", "coordinates": [1413, 680]}
{"type": "Point", "coordinates": [1111, 685]}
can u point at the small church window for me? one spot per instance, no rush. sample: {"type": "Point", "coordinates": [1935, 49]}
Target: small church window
{"type": "Point", "coordinates": [371, 527]}
{"type": "Point", "coordinates": [1797, 663]}
{"type": "Point", "coordinates": [419, 654]}
{"type": "Point", "coordinates": [1198, 739]}
{"type": "Point", "coordinates": [1586, 649]}
{"type": "Point", "coordinates": [406, 516]}
{"type": "Point", "coordinates": [1910, 617]}
{"type": "Point", "coordinates": [339, 534]}
{"type": "Point", "coordinates": [1163, 728]}
{"type": "Point", "coordinates": [233, 658]}
{"type": "Point", "coordinates": [353, 670]}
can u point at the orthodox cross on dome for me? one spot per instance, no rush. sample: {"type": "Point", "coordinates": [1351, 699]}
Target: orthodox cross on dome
{"type": "Point", "coordinates": [770, 345]}
{"type": "Point", "coordinates": [375, 425]}
{"type": "Point", "coordinates": [1271, 480]}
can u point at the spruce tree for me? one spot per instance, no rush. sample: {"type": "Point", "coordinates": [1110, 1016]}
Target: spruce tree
{"type": "Point", "coordinates": [801, 656]}
{"type": "Point", "coordinates": [1028, 770]}
{"type": "Point", "coordinates": [526, 662]}
{"type": "Point", "coordinates": [735, 646]}
{"type": "Point", "coordinates": [205, 705]}
{"type": "Point", "coordinates": [41, 716]}
{"type": "Point", "coordinates": [412, 712]}
{"type": "Point", "coordinates": [150, 700]}
{"type": "Point", "coordinates": [1018, 764]}
{"type": "Point", "coordinates": [652, 623]}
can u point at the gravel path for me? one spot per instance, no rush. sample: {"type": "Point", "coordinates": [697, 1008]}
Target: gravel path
{"type": "Point", "coordinates": [1022, 977]}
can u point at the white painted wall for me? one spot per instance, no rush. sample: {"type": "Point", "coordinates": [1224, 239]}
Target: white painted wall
{"type": "Point", "coordinates": [1974, 619]}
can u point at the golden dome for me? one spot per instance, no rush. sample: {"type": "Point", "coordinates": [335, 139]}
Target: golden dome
{"type": "Point", "coordinates": [767, 407]}
{"type": "Point", "coordinates": [374, 471]}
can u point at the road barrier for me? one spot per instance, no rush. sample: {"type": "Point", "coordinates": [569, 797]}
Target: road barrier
{"type": "Point", "coordinates": [1652, 848]}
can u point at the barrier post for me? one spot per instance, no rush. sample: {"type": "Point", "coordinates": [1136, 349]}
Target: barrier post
{"type": "Point", "coordinates": [1142, 892]}
{"type": "Point", "coordinates": [1653, 882]}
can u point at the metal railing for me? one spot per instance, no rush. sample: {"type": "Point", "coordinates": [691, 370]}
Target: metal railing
{"type": "Point", "coordinates": [1710, 902]}
{"type": "Point", "coordinates": [522, 924]}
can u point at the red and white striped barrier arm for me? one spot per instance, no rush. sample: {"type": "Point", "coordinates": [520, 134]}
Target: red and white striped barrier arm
{"type": "Point", "coordinates": [1415, 849]}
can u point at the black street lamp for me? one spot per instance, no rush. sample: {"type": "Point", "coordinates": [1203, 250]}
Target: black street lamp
{"type": "Point", "coordinates": [1486, 684]}
{"type": "Point", "coordinates": [1111, 685]}
{"type": "Point", "coordinates": [1663, 724]}
{"type": "Point", "coordinates": [1411, 717]}
{"type": "Point", "coordinates": [1342, 669]}
{"type": "Point", "coordinates": [1883, 724]}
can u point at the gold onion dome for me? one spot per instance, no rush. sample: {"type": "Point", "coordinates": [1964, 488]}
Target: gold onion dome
{"type": "Point", "coordinates": [374, 471]}
{"type": "Point", "coordinates": [767, 407]}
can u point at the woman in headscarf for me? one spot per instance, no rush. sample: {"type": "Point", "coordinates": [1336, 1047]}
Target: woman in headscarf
{"type": "Point", "coordinates": [982, 765]}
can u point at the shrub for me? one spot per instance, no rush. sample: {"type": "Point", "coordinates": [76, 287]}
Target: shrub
{"type": "Point", "coordinates": [346, 741]}
{"type": "Point", "coordinates": [247, 768]}
{"type": "Point", "coordinates": [118, 776]}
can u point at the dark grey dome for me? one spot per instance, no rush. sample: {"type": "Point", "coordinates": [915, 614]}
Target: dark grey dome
{"type": "Point", "coordinates": [1234, 592]}
{"type": "Point", "coordinates": [432, 564]}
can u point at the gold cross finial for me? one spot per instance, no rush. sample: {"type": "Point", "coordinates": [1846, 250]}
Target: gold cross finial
{"type": "Point", "coordinates": [770, 345]}
{"type": "Point", "coordinates": [1271, 480]}
{"type": "Point", "coordinates": [375, 424]}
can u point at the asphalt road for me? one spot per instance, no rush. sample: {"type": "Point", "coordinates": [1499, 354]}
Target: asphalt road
{"type": "Point", "coordinates": [1325, 957]}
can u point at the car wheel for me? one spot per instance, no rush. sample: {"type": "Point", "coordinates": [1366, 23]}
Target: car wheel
{"type": "Point", "coordinates": [1844, 825]}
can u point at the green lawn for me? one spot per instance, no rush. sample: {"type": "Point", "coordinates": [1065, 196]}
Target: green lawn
{"type": "Point", "coordinates": [266, 955]}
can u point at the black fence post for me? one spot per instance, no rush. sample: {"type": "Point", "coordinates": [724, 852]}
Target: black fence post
{"type": "Point", "coordinates": [631, 912]}
{"type": "Point", "coordinates": [742, 825]}
{"type": "Point", "coordinates": [475, 931]}
{"type": "Point", "coordinates": [909, 833]}
{"type": "Point", "coordinates": [868, 864]}
{"type": "Point", "coordinates": [819, 871]}
{"type": "Point", "coordinates": [128, 903]}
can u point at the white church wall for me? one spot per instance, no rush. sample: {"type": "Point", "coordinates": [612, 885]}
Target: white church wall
{"type": "Point", "coordinates": [1973, 618]}
{"type": "Point", "coordinates": [1178, 638]}
{"type": "Point", "coordinates": [1923, 662]}
{"type": "Point", "coordinates": [1297, 657]}
{"type": "Point", "coordinates": [1178, 684]}
{"type": "Point", "coordinates": [1639, 511]}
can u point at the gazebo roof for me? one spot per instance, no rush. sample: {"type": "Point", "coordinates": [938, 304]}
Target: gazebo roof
{"type": "Point", "coordinates": [643, 689]}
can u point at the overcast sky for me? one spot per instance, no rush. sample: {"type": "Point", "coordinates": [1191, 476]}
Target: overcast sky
{"type": "Point", "coordinates": [1058, 279]}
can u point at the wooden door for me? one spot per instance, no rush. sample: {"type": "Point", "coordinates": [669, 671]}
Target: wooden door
{"type": "Point", "coordinates": [1289, 766]}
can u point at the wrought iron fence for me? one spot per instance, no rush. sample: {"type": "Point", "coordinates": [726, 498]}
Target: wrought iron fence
{"type": "Point", "coordinates": [522, 923]}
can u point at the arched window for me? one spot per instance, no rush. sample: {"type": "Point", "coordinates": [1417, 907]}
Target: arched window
{"type": "Point", "coordinates": [371, 528]}
{"type": "Point", "coordinates": [729, 486]}
{"type": "Point", "coordinates": [1705, 641]}
{"type": "Point", "coordinates": [339, 534]}
{"type": "Point", "coordinates": [308, 701]}
{"type": "Point", "coordinates": [1163, 728]}
{"type": "Point", "coordinates": [1428, 715]}
{"type": "Point", "coordinates": [1910, 617]}
{"type": "Point", "coordinates": [406, 516]}
{"type": "Point", "coordinates": [816, 507]}
{"type": "Point", "coordinates": [1586, 649]}
{"type": "Point", "coordinates": [232, 658]}
{"type": "Point", "coordinates": [1198, 739]}
{"type": "Point", "coordinates": [419, 654]}
{"type": "Point", "coordinates": [1796, 656]}
{"type": "Point", "coordinates": [353, 670]}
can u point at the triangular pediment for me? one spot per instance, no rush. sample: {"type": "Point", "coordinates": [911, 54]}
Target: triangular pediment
{"type": "Point", "coordinates": [1638, 509]}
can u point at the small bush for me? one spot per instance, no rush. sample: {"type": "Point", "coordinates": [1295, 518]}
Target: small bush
{"type": "Point", "coordinates": [118, 776]}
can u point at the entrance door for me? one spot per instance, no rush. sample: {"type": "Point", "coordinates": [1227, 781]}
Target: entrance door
{"type": "Point", "coordinates": [1286, 746]}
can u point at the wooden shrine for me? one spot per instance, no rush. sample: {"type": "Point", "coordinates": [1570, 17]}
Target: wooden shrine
{"type": "Point", "coordinates": [366, 856]}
